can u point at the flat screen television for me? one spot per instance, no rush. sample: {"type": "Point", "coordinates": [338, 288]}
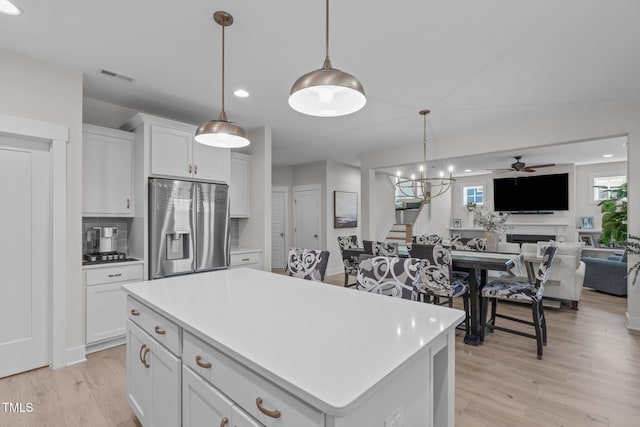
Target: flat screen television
{"type": "Point", "coordinates": [532, 194]}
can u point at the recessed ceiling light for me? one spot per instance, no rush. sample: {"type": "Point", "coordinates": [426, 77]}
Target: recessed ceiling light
{"type": "Point", "coordinates": [9, 8]}
{"type": "Point", "coordinates": [241, 93]}
{"type": "Point", "coordinates": [607, 155]}
{"type": "Point", "coordinates": [467, 170]}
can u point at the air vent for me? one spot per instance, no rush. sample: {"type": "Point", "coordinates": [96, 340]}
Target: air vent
{"type": "Point", "coordinates": [117, 75]}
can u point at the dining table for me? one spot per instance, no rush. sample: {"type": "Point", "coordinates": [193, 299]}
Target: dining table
{"type": "Point", "coordinates": [477, 264]}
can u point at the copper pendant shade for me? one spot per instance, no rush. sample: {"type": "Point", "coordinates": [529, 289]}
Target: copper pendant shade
{"type": "Point", "coordinates": [222, 132]}
{"type": "Point", "coordinates": [327, 91]}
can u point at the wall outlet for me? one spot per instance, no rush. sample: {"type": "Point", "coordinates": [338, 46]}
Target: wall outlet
{"type": "Point", "coordinates": [396, 419]}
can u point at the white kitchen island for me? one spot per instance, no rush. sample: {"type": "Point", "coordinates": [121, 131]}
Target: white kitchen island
{"type": "Point", "coordinates": [245, 347]}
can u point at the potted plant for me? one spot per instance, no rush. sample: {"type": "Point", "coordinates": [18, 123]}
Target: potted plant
{"type": "Point", "coordinates": [614, 216]}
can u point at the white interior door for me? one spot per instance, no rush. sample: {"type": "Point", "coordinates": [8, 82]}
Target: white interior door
{"type": "Point", "coordinates": [307, 216]}
{"type": "Point", "coordinates": [279, 227]}
{"type": "Point", "coordinates": [25, 254]}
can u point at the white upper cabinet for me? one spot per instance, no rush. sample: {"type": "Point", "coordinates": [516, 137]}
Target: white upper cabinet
{"type": "Point", "coordinates": [107, 184]}
{"type": "Point", "coordinates": [239, 185]}
{"type": "Point", "coordinates": [175, 153]}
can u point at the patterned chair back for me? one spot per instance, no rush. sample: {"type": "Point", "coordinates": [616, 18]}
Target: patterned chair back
{"type": "Point", "coordinates": [392, 276]}
{"type": "Point", "coordinates": [469, 244]}
{"type": "Point", "coordinates": [309, 264]}
{"type": "Point", "coordinates": [436, 269]}
{"type": "Point", "coordinates": [428, 239]}
{"type": "Point", "coordinates": [384, 249]}
{"type": "Point", "coordinates": [542, 274]}
{"type": "Point", "coordinates": [348, 242]}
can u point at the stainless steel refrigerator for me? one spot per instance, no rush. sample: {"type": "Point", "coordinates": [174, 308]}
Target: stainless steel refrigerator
{"type": "Point", "coordinates": [188, 227]}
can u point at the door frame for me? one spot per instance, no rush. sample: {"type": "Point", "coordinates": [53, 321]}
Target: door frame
{"type": "Point", "coordinates": [58, 137]}
{"type": "Point", "coordinates": [307, 187]}
{"type": "Point", "coordinates": [285, 191]}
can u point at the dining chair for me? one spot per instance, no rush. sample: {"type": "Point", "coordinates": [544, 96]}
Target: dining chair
{"type": "Point", "coordinates": [469, 244]}
{"type": "Point", "coordinates": [392, 276]}
{"type": "Point", "coordinates": [309, 264]}
{"type": "Point", "coordinates": [428, 239]}
{"type": "Point", "coordinates": [384, 249]}
{"type": "Point", "coordinates": [350, 262]}
{"type": "Point", "coordinates": [512, 290]}
{"type": "Point", "coordinates": [437, 279]}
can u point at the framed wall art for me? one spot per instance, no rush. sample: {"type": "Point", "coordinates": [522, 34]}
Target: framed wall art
{"type": "Point", "coordinates": [345, 209]}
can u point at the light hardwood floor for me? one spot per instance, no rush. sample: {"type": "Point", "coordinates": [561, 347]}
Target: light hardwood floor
{"type": "Point", "coordinates": [590, 376]}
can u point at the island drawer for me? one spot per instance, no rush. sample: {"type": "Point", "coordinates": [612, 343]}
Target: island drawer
{"type": "Point", "coordinates": [247, 388]}
{"type": "Point", "coordinates": [245, 259]}
{"type": "Point", "coordinates": [113, 273]}
{"type": "Point", "coordinates": [162, 329]}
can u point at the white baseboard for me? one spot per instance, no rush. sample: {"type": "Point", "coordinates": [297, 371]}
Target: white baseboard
{"type": "Point", "coordinates": [75, 355]}
{"type": "Point", "coordinates": [103, 345]}
{"type": "Point", "coordinates": [632, 322]}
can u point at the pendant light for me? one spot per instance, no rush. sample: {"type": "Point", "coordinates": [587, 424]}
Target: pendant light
{"type": "Point", "coordinates": [222, 132]}
{"type": "Point", "coordinates": [327, 92]}
{"type": "Point", "coordinates": [424, 187]}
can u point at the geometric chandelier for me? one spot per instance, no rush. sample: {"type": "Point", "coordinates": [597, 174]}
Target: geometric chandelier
{"type": "Point", "coordinates": [424, 187]}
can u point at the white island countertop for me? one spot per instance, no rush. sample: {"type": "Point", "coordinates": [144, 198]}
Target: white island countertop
{"type": "Point", "coordinates": [330, 346]}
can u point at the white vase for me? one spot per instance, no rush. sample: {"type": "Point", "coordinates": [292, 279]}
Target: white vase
{"type": "Point", "coordinates": [492, 240]}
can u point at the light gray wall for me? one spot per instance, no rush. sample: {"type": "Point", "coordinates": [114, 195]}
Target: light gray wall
{"type": "Point", "coordinates": [340, 177]}
{"type": "Point", "coordinates": [101, 113]}
{"type": "Point", "coordinates": [41, 91]}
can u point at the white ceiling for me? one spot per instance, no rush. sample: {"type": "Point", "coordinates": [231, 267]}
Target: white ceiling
{"type": "Point", "coordinates": [470, 62]}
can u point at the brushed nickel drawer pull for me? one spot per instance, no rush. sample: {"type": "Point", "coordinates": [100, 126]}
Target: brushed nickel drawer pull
{"type": "Point", "coordinates": [135, 312]}
{"type": "Point", "coordinates": [115, 275]}
{"type": "Point", "coordinates": [128, 203]}
{"type": "Point", "coordinates": [272, 414]}
{"type": "Point", "coordinates": [144, 357]}
{"type": "Point", "coordinates": [160, 331]}
{"type": "Point", "coordinates": [202, 364]}
{"type": "Point", "coordinates": [224, 422]}
{"type": "Point", "coordinates": [246, 259]}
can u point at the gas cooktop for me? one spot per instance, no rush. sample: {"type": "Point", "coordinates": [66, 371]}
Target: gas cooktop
{"type": "Point", "coordinates": [105, 257]}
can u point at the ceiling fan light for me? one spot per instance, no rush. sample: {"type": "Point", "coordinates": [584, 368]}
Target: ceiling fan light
{"type": "Point", "coordinates": [222, 133]}
{"type": "Point", "coordinates": [327, 92]}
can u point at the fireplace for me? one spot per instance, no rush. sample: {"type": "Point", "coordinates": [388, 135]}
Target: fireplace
{"type": "Point", "coordinates": [529, 238]}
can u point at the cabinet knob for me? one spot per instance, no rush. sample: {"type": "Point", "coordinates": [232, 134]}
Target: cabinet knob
{"type": "Point", "coordinates": [190, 168]}
{"type": "Point", "coordinates": [202, 364]}
{"type": "Point", "coordinates": [195, 169]}
{"type": "Point", "coordinates": [270, 413]}
{"type": "Point", "coordinates": [160, 331]}
{"type": "Point", "coordinates": [135, 312]}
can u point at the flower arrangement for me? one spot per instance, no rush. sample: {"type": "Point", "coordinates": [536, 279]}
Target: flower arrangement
{"type": "Point", "coordinates": [489, 220]}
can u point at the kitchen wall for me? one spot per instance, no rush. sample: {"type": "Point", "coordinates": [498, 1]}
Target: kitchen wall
{"type": "Point", "coordinates": [101, 113]}
{"type": "Point", "coordinates": [37, 90]}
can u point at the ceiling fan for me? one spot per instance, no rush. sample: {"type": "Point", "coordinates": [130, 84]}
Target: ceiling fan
{"type": "Point", "coordinates": [519, 166]}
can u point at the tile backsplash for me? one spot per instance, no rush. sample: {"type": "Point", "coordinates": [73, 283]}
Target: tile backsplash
{"type": "Point", "coordinates": [123, 225]}
{"type": "Point", "coordinates": [234, 233]}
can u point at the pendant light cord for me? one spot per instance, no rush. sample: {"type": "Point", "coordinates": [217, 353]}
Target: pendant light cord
{"type": "Point", "coordinates": [424, 141]}
{"type": "Point", "coordinates": [222, 69]}
{"type": "Point", "coordinates": [327, 61]}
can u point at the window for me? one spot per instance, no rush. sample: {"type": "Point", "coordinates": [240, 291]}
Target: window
{"type": "Point", "coordinates": [473, 194]}
{"type": "Point", "coordinates": [602, 185]}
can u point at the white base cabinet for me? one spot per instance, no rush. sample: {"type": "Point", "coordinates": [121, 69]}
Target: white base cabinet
{"type": "Point", "coordinates": [153, 380]}
{"type": "Point", "coordinates": [106, 301]}
{"type": "Point", "coordinates": [246, 258]}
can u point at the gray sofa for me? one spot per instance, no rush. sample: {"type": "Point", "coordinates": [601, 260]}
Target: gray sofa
{"type": "Point", "coordinates": [606, 275]}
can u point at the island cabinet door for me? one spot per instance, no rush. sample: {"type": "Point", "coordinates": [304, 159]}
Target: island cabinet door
{"type": "Point", "coordinates": [153, 380]}
{"type": "Point", "coordinates": [202, 404]}
{"type": "Point", "coordinates": [138, 373]}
